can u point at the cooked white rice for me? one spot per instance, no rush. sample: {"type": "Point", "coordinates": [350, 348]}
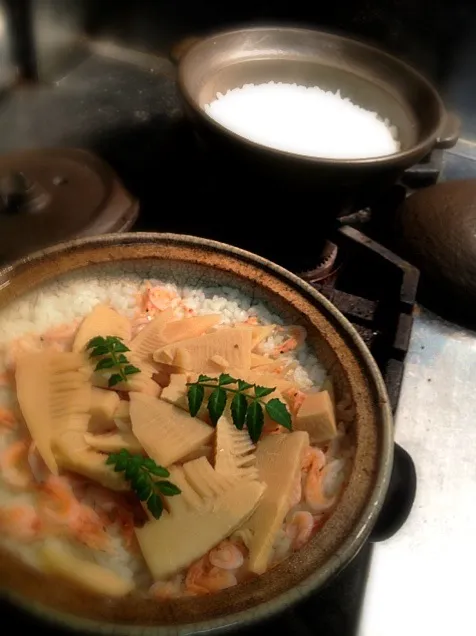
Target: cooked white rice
{"type": "Point", "coordinates": [73, 297]}
{"type": "Point", "coordinates": [304, 120]}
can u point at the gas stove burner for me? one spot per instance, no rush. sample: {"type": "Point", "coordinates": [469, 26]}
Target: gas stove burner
{"type": "Point", "coordinates": [327, 265]}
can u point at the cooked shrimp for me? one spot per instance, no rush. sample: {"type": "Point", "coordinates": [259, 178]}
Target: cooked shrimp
{"type": "Point", "coordinates": [14, 466]}
{"type": "Point", "coordinates": [314, 493]}
{"type": "Point", "coordinates": [7, 418]}
{"type": "Point", "coordinates": [59, 506]}
{"type": "Point", "coordinates": [29, 343]}
{"type": "Point", "coordinates": [57, 502]}
{"type": "Point", "coordinates": [89, 529]}
{"type": "Point", "coordinates": [296, 492]}
{"type": "Point", "coordinates": [299, 529]}
{"type": "Point", "coordinates": [62, 336]}
{"type": "Point", "coordinates": [313, 458]}
{"type": "Point", "coordinates": [166, 589]}
{"type": "Point", "coordinates": [202, 578]}
{"type": "Point", "coordinates": [295, 399]}
{"type": "Point", "coordinates": [295, 340]}
{"type": "Point", "coordinates": [227, 556]}
{"type": "Point", "coordinates": [20, 521]}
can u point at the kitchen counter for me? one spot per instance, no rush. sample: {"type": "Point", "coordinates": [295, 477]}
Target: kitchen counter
{"type": "Point", "coordinates": [420, 580]}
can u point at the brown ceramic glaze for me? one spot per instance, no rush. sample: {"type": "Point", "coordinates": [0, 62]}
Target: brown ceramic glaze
{"type": "Point", "coordinates": [354, 373]}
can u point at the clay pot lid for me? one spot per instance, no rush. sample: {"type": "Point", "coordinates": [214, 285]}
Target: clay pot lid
{"type": "Point", "coordinates": [436, 231]}
{"type": "Point", "coordinates": [51, 195]}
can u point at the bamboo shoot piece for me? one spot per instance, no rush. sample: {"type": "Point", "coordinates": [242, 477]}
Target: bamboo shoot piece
{"type": "Point", "coordinates": [103, 407]}
{"type": "Point", "coordinates": [102, 321]}
{"type": "Point", "coordinates": [61, 563]}
{"type": "Point", "coordinates": [176, 393]}
{"type": "Point", "coordinates": [52, 391]}
{"type": "Point", "coordinates": [212, 506]}
{"type": "Point", "coordinates": [316, 416]}
{"type": "Point", "coordinates": [166, 432]}
{"type": "Point", "coordinates": [114, 442]}
{"type": "Point", "coordinates": [73, 453]}
{"type": "Point", "coordinates": [196, 354]}
{"type": "Point", "coordinates": [234, 451]}
{"type": "Point", "coordinates": [278, 458]}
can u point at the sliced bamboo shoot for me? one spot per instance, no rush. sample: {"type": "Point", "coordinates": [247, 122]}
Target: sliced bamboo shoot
{"type": "Point", "coordinates": [74, 454]}
{"type": "Point", "coordinates": [234, 452]}
{"type": "Point", "coordinates": [278, 458]}
{"type": "Point", "coordinates": [61, 563]}
{"type": "Point", "coordinates": [150, 337]}
{"type": "Point", "coordinates": [316, 416]}
{"type": "Point", "coordinates": [188, 328]}
{"type": "Point", "coordinates": [54, 394]}
{"type": "Point", "coordinates": [114, 442]}
{"type": "Point", "coordinates": [190, 532]}
{"type": "Point", "coordinates": [102, 321]}
{"type": "Point", "coordinates": [254, 376]}
{"type": "Point", "coordinates": [196, 353]}
{"type": "Point", "coordinates": [176, 393]}
{"type": "Point", "coordinates": [166, 432]}
{"type": "Point", "coordinates": [103, 407]}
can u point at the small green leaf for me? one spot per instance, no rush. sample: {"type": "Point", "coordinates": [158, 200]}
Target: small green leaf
{"type": "Point", "coordinates": [121, 464]}
{"type": "Point", "coordinates": [132, 471]}
{"type": "Point", "coordinates": [114, 379]}
{"type": "Point", "coordinates": [119, 347]}
{"type": "Point", "coordinates": [279, 413]}
{"type": "Point", "coordinates": [216, 404]}
{"type": "Point", "coordinates": [100, 350]}
{"type": "Point", "coordinates": [243, 386]}
{"type": "Point", "coordinates": [225, 379]}
{"type": "Point", "coordinates": [205, 378]}
{"type": "Point", "coordinates": [262, 391]}
{"type": "Point", "coordinates": [143, 492]}
{"type": "Point", "coordinates": [167, 488]}
{"type": "Point", "coordinates": [96, 342]}
{"type": "Point", "coordinates": [239, 404]}
{"type": "Point", "coordinates": [111, 459]}
{"type": "Point", "coordinates": [255, 420]}
{"type": "Point", "coordinates": [130, 369]}
{"type": "Point", "coordinates": [105, 363]}
{"type": "Point", "coordinates": [121, 358]}
{"type": "Point", "coordinates": [155, 506]}
{"type": "Point", "coordinates": [196, 393]}
{"type": "Point", "coordinates": [155, 469]}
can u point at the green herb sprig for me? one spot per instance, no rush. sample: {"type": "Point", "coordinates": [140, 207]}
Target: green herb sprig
{"type": "Point", "coordinates": [246, 407]}
{"type": "Point", "coordinates": [111, 352]}
{"type": "Point", "coordinates": [142, 473]}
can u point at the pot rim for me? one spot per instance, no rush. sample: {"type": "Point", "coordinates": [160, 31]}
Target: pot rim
{"type": "Point", "coordinates": [368, 516]}
{"type": "Point", "coordinates": [417, 150]}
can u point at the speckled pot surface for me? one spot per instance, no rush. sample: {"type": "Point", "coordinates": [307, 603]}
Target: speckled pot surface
{"type": "Point", "coordinates": [204, 263]}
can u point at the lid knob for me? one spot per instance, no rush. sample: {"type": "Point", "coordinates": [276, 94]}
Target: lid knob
{"type": "Point", "coordinates": [19, 195]}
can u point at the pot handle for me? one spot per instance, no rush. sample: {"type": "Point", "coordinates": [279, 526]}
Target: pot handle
{"type": "Point", "coordinates": [180, 48]}
{"type": "Point", "coordinates": [449, 131]}
{"type": "Point", "coordinates": [400, 497]}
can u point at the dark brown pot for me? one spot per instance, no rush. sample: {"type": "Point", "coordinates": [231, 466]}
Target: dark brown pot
{"type": "Point", "coordinates": [354, 374]}
{"type": "Point", "coordinates": [368, 76]}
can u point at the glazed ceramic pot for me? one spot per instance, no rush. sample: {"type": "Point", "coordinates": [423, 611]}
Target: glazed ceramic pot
{"type": "Point", "coordinates": [202, 263]}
